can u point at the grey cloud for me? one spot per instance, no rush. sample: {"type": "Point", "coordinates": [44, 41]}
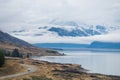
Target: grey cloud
{"type": "Point", "coordinates": [15, 13]}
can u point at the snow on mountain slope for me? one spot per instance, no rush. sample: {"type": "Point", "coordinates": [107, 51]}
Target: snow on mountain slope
{"type": "Point", "coordinates": [57, 31]}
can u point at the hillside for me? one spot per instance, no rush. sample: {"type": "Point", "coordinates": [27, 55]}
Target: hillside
{"type": "Point", "coordinates": [105, 45]}
{"type": "Point", "coordinates": [9, 43]}
{"type": "Point", "coordinates": [5, 37]}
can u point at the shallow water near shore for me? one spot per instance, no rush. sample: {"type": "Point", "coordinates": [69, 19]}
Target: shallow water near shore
{"type": "Point", "coordinates": [96, 62]}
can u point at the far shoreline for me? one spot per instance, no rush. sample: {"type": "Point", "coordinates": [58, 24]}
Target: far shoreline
{"type": "Point", "coordinates": [87, 49]}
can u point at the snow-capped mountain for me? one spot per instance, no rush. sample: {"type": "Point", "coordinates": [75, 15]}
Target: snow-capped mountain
{"type": "Point", "coordinates": [68, 28]}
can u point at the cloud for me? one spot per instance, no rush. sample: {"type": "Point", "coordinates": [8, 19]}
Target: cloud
{"type": "Point", "coordinates": [54, 38]}
{"type": "Point", "coordinates": [17, 13]}
{"type": "Point", "coordinates": [20, 14]}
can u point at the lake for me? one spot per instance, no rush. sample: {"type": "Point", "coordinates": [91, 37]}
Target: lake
{"type": "Point", "coordinates": [95, 62]}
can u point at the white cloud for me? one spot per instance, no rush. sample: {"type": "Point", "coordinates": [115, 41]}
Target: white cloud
{"type": "Point", "coordinates": [15, 13]}
{"type": "Point", "coordinates": [18, 14]}
{"type": "Point", "coordinates": [54, 38]}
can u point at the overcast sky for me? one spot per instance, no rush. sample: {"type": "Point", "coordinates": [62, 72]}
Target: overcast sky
{"type": "Point", "coordinates": [21, 13]}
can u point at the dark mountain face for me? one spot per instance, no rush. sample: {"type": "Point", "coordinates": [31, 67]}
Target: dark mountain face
{"type": "Point", "coordinates": [74, 32]}
{"type": "Point", "coordinates": [61, 45]}
{"type": "Point", "coordinates": [4, 37]}
{"type": "Point", "coordinates": [63, 32]}
{"type": "Point", "coordinates": [105, 45]}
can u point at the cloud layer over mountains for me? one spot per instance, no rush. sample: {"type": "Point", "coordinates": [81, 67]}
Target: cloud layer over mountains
{"type": "Point", "coordinates": [54, 38]}
{"type": "Point", "coordinates": [28, 14]}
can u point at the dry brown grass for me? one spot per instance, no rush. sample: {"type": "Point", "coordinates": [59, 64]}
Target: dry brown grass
{"type": "Point", "coordinates": [11, 67]}
{"type": "Point", "coordinates": [24, 49]}
{"type": "Point", "coordinates": [57, 71]}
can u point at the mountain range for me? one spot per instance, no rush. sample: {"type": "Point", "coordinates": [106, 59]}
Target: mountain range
{"type": "Point", "coordinates": [65, 28]}
{"type": "Point", "coordinates": [94, 45]}
{"type": "Point", "coordinates": [59, 29]}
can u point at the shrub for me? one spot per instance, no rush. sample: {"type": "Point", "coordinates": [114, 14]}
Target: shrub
{"type": "Point", "coordinates": [39, 78]}
{"type": "Point", "coordinates": [51, 51]}
{"type": "Point", "coordinates": [8, 53]}
{"type": "Point", "coordinates": [28, 55]}
{"type": "Point", "coordinates": [15, 53]}
{"type": "Point", "coordinates": [2, 57]}
{"type": "Point", "coordinates": [26, 79]}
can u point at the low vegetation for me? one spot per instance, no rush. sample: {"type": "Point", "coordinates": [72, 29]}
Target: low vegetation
{"type": "Point", "coordinates": [14, 53]}
{"type": "Point", "coordinates": [2, 57]}
{"type": "Point", "coordinates": [37, 78]}
{"type": "Point", "coordinates": [40, 78]}
{"type": "Point", "coordinates": [11, 66]}
{"type": "Point", "coordinates": [51, 51]}
{"type": "Point", "coordinates": [50, 71]}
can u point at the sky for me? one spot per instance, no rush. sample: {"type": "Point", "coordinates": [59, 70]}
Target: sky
{"type": "Point", "coordinates": [22, 13]}
{"type": "Point", "coordinates": [15, 14]}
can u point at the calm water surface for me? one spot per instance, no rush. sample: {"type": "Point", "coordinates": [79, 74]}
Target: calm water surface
{"type": "Point", "coordinates": [95, 62]}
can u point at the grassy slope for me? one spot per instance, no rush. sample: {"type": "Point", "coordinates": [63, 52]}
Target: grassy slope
{"type": "Point", "coordinates": [25, 49]}
{"type": "Point", "coordinates": [11, 67]}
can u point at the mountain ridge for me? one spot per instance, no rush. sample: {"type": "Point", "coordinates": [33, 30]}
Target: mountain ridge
{"type": "Point", "coordinates": [5, 37]}
{"type": "Point", "coordinates": [105, 45]}
{"type": "Point", "coordinates": [93, 45]}
{"type": "Point", "coordinates": [60, 45]}
{"type": "Point", "coordinates": [66, 28]}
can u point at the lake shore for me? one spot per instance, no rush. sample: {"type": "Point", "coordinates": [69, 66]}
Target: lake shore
{"type": "Point", "coordinates": [87, 49]}
{"type": "Point", "coordinates": [57, 71]}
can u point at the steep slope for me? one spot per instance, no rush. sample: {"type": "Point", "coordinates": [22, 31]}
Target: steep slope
{"type": "Point", "coordinates": [9, 43]}
{"type": "Point", "coordinates": [5, 37]}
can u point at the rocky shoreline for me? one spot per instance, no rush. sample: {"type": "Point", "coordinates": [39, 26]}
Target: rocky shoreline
{"type": "Point", "coordinates": [58, 71]}
{"type": "Point", "coordinates": [75, 72]}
